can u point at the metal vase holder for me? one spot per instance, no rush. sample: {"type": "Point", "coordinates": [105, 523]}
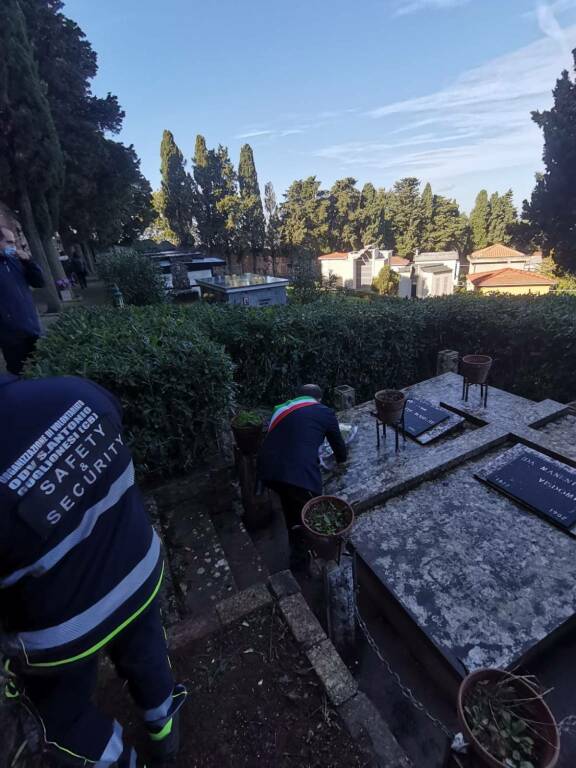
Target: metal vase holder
{"type": "Point", "coordinates": [399, 428]}
{"type": "Point", "coordinates": [466, 384]}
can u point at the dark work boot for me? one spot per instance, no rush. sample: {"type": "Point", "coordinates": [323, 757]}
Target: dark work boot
{"type": "Point", "coordinates": [165, 737]}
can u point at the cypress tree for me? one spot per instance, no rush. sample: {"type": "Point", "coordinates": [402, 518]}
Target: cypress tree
{"type": "Point", "coordinates": [252, 210]}
{"type": "Point", "coordinates": [480, 220]}
{"type": "Point", "coordinates": [552, 209]}
{"type": "Point", "coordinates": [178, 195]}
{"type": "Point", "coordinates": [427, 219]}
{"type": "Point", "coordinates": [272, 243]}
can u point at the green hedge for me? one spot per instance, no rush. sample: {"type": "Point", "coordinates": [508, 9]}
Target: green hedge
{"type": "Point", "coordinates": [394, 342]}
{"type": "Point", "coordinates": [175, 384]}
{"type": "Point", "coordinates": [173, 366]}
{"type": "Point", "coordinates": [137, 277]}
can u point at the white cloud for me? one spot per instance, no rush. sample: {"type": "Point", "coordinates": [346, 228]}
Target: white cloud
{"type": "Point", "coordinates": [404, 7]}
{"type": "Point", "coordinates": [483, 118]}
{"type": "Point", "coordinates": [253, 134]}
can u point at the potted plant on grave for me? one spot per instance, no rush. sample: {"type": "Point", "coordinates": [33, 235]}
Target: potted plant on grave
{"type": "Point", "coordinates": [326, 521]}
{"type": "Point", "coordinates": [390, 405]}
{"type": "Point", "coordinates": [506, 721]}
{"type": "Point", "coordinates": [247, 427]}
{"type": "Point", "coordinates": [475, 368]}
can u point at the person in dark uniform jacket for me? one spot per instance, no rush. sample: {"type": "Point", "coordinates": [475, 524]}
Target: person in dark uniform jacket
{"type": "Point", "coordinates": [288, 459]}
{"type": "Point", "coordinates": [19, 323]}
{"type": "Point", "coordinates": [80, 571]}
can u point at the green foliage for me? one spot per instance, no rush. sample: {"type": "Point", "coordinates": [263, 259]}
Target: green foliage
{"type": "Point", "coordinates": [304, 216]}
{"type": "Point", "coordinates": [503, 216]}
{"type": "Point", "coordinates": [247, 419]}
{"type": "Point", "coordinates": [553, 206]}
{"type": "Point", "coordinates": [253, 225]}
{"type": "Point", "coordinates": [177, 198]}
{"type": "Point", "coordinates": [135, 275]}
{"type": "Point", "coordinates": [387, 282]}
{"type": "Point", "coordinates": [480, 221]}
{"type": "Point", "coordinates": [175, 385]}
{"type": "Point", "coordinates": [344, 216]}
{"type": "Point", "coordinates": [32, 163]}
{"type": "Point", "coordinates": [168, 365]}
{"type": "Point", "coordinates": [502, 722]}
{"type": "Point", "coordinates": [407, 219]}
{"type": "Point", "coordinates": [389, 343]}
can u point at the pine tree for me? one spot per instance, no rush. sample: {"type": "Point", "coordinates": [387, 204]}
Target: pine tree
{"type": "Point", "coordinates": [552, 209]}
{"type": "Point", "coordinates": [480, 220]}
{"type": "Point", "coordinates": [406, 210]}
{"type": "Point", "coordinates": [178, 193]}
{"type": "Point", "coordinates": [253, 212]}
{"type": "Point", "coordinates": [31, 164]}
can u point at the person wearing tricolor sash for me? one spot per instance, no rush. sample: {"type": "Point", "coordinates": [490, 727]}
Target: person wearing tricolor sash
{"type": "Point", "coordinates": [288, 460]}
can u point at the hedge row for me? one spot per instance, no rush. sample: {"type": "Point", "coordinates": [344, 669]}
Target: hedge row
{"type": "Point", "coordinates": [175, 384]}
{"type": "Point", "coordinates": [173, 367]}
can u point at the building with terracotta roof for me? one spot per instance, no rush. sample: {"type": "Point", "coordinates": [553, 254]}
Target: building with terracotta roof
{"type": "Point", "coordinates": [500, 256]}
{"type": "Point", "coordinates": [508, 280]}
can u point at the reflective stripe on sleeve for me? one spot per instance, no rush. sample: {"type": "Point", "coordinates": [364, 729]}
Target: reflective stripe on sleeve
{"type": "Point", "coordinates": [85, 622]}
{"type": "Point", "coordinates": [82, 532]}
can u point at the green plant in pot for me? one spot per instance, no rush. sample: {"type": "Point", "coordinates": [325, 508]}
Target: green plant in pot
{"type": "Point", "coordinates": [247, 427]}
{"type": "Point", "coordinates": [326, 520]}
{"type": "Point", "coordinates": [390, 405]}
{"type": "Point", "coordinates": [506, 721]}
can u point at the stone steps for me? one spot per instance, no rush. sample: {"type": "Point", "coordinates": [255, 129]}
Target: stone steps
{"type": "Point", "coordinates": [210, 555]}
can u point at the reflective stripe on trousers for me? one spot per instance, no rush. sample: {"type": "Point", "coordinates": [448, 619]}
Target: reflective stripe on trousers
{"type": "Point", "coordinates": [80, 625]}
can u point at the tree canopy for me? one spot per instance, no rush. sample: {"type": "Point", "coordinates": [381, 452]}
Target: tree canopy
{"type": "Point", "coordinates": [552, 209]}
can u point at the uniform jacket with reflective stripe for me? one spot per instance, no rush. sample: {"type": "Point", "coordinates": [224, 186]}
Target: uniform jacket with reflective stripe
{"type": "Point", "coordinates": [78, 555]}
{"type": "Point", "coordinates": [289, 453]}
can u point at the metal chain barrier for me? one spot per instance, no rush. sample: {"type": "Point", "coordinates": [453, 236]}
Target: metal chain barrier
{"type": "Point", "coordinates": [404, 690]}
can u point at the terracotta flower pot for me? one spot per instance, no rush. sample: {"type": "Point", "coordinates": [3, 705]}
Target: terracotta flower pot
{"type": "Point", "coordinates": [390, 405]}
{"type": "Point", "coordinates": [248, 438]}
{"type": "Point", "coordinates": [543, 720]}
{"type": "Point", "coordinates": [327, 545]}
{"type": "Point", "coordinates": [476, 368]}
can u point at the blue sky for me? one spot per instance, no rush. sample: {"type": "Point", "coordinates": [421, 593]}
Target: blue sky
{"type": "Point", "coordinates": [375, 89]}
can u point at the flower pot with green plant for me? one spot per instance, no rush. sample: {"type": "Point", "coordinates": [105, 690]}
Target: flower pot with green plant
{"type": "Point", "coordinates": [326, 521]}
{"type": "Point", "coordinates": [506, 721]}
{"type": "Point", "coordinates": [247, 427]}
{"type": "Point", "coordinates": [390, 404]}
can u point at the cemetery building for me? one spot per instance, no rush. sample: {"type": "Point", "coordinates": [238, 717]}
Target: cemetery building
{"type": "Point", "coordinates": [508, 280]}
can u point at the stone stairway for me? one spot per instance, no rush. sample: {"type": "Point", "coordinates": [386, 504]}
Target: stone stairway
{"type": "Point", "coordinates": [210, 554]}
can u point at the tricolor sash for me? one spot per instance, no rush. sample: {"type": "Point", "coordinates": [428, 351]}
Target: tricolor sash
{"type": "Point", "coordinates": [287, 408]}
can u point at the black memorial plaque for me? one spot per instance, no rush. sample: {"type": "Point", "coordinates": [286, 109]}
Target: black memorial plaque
{"type": "Point", "coordinates": [420, 417]}
{"type": "Point", "coordinates": [544, 485]}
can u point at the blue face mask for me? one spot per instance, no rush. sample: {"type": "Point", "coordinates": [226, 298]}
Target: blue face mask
{"type": "Point", "coordinates": [9, 250]}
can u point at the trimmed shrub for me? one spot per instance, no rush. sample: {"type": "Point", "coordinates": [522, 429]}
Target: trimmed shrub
{"type": "Point", "coordinates": [136, 276]}
{"type": "Point", "coordinates": [174, 383]}
{"type": "Point", "coordinates": [173, 367]}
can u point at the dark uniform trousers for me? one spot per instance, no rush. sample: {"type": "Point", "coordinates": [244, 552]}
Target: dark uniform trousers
{"type": "Point", "coordinates": [63, 700]}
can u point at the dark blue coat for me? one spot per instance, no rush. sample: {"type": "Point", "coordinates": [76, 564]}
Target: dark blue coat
{"type": "Point", "coordinates": [289, 453]}
{"type": "Point", "coordinates": [18, 316]}
{"type": "Point", "coordinates": [78, 556]}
